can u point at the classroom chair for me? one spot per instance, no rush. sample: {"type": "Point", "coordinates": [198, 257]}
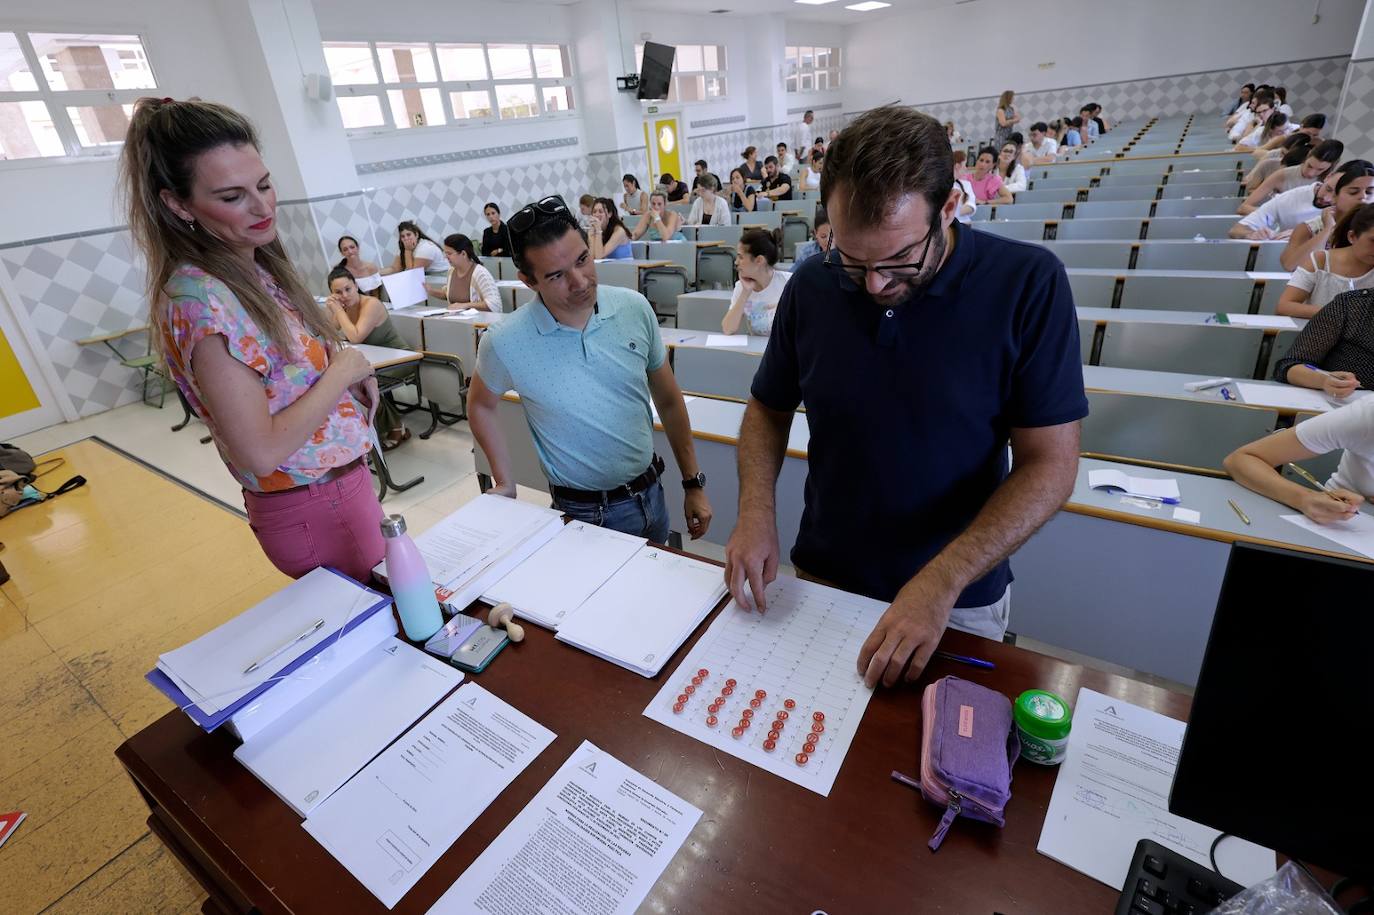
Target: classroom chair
{"type": "Point", "coordinates": [727, 373]}
{"type": "Point", "coordinates": [1137, 178]}
{"type": "Point", "coordinates": [1206, 350]}
{"type": "Point", "coordinates": [1107, 255]}
{"type": "Point", "coordinates": [1020, 210]}
{"type": "Point", "coordinates": [795, 231]}
{"type": "Point", "coordinates": [1020, 229]}
{"type": "Point", "coordinates": [1190, 227]}
{"type": "Point", "coordinates": [1178, 431]}
{"type": "Point", "coordinates": [1124, 192]}
{"type": "Point", "coordinates": [770, 219]}
{"type": "Point", "coordinates": [1092, 291]}
{"type": "Point", "coordinates": [661, 286]}
{"type": "Point", "coordinates": [701, 312]}
{"type": "Point", "coordinates": [716, 267]}
{"type": "Point", "coordinates": [1059, 195]}
{"type": "Point", "coordinates": [1210, 176]}
{"type": "Point", "coordinates": [1188, 293]}
{"type": "Point", "coordinates": [1111, 209]}
{"type": "Point", "coordinates": [1087, 332]}
{"type": "Point", "coordinates": [762, 205]}
{"type": "Point", "coordinates": [728, 234]}
{"type": "Point", "coordinates": [457, 338]}
{"type": "Point", "coordinates": [443, 388]}
{"type": "Point", "coordinates": [1201, 206]}
{"type": "Point", "coordinates": [1192, 256]}
{"type": "Point", "coordinates": [982, 214]}
{"type": "Point", "coordinates": [1270, 295]}
{"type": "Point", "coordinates": [411, 330]}
{"type": "Point", "coordinates": [682, 253]}
{"type": "Point", "coordinates": [1231, 189]}
{"type": "Point", "coordinates": [524, 460]}
{"type": "Point", "coordinates": [1267, 256]}
{"type": "Point", "coordinates": [1069, 181]}
{"type": "Point", "coordinates": [1106, 229]}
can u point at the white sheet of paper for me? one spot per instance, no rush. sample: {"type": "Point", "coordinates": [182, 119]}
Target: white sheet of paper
{"type": "Point", "coordinates": [1148, 487]}
{"type": "Point", "coordinates": [596, 838]}
{"type": "Point", "coordinates": [406, 807]}
{"type": "Point", "coordinates": [727, 339]}
{"type": "Point", "coordinates": [309, 752]}
{"type": "Point", "coordinates": [1279, 322]}
{"type": "Point", "coordinates": [804, 648]}
{"type": "Point", "coordinates": [564, 572]}
{"type": "Point", "coordinates": [648, 608]}
{"type": "Point", "coordinates": [1187, 515]}
{"type": "Point", "coordinates": [1112, 790]}
{"type": "Point", "coordinates": [1355, 534]}
{"type": "Point", "coordinates": [1283, 396]}
{"type": "Point", "coordinates": [406, 288]}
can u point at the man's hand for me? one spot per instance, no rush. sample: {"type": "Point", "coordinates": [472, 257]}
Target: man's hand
{"type": "Point", "coordinates": [697, 509]}
{"type": "Point", "coordinates": [751, 561]}
{"type": "Point", "coordinates": [909, 631]}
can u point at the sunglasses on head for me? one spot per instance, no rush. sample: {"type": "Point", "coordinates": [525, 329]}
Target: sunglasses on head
{"type": "Point", "coordinates": [550, 207]}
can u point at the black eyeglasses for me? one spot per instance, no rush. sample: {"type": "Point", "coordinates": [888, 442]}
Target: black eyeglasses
{"type": "Point", "coordinates": [551, 207]}
{"type": "Point", "coordinates": [858, 275]}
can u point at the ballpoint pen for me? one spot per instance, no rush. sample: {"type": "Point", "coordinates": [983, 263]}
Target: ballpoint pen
{"type": "Point", "coordinates": [965, 659]}
{"type": "Point", "coordinates": [1236, 508]}
{"type": "Point", "coordinates": [1326, 488]}
{"type": "Point", "coordinates": [314, 627]}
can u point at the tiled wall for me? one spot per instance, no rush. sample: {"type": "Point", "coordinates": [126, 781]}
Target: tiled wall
{"type": "Point", "coordinates": [722, 150]}
{"type": "Point", "coordinates": [1356, 123]}
{"type": "Point", "coordinates": [1313, 86]}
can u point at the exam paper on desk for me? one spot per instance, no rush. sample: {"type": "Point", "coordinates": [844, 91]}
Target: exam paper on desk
{"type": "Point", "coordinates": [1356, 533]}
{"type": "Point", "coordinates": [596, 838]}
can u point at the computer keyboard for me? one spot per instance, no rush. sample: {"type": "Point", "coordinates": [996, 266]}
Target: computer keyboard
{"type": "Point", "coordinates": [1163, 882]}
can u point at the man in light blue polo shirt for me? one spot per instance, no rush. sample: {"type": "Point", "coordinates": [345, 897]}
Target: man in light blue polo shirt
{"type": "Point", "coordinates": [588, 362]}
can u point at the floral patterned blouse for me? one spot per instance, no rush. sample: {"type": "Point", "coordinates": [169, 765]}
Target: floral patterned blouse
{"type": "Point", "coordinates": [198, 306]}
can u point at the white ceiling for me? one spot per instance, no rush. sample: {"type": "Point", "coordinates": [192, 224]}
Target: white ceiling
{"type": "Point", "coordinates": [831, 12]}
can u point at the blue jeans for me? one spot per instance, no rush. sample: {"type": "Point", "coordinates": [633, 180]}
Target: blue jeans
{"type": "Point", "coordinates": [642, 515]}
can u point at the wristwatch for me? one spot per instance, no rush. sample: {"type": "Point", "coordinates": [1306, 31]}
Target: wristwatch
{"type": "Point", "coordinates": [696, 482]}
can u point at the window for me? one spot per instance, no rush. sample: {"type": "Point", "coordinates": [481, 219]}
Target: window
{"type": "Point", "coordinates": [401, 85]}
{"type": "Point", "coordinates": [67, 94]}
{"type": "Point", "coordinates": [812, 69]}
{"type": "Point", "coordinates": [698, 72]}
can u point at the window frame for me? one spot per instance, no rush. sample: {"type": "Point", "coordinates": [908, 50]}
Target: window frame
{"type": "Point", "coordinates": [58, 101]}
{"type": "Point", "coordinates": [805, 80]}
{"type": "Point", "coordinates": [491, 86]}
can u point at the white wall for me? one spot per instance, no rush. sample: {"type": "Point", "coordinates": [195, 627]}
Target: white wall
{"type": "Point", "coordinates": [978, 49]}
{"type": "Point", "coordinates": [57, 197]}
{"type": "Point", "coordinates": [826, 35]}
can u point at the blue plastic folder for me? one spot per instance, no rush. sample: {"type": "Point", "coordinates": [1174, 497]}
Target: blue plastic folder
{"type": "Point", "coordinates": [289, 662]}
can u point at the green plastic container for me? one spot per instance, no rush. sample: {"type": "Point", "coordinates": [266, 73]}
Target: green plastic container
{"type": "Point", "coordinates": [1043, 720]}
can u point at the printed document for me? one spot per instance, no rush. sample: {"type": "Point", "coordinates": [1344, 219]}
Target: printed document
{"type": "Point", "coordinates": [1355, 533]}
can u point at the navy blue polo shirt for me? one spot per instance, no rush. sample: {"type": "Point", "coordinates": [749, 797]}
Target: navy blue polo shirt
{"type": "Point", "coordinates": [911, 408]}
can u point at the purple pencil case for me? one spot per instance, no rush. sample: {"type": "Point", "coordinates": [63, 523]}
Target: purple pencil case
{"type": "Point", "coordinates": [968, 746]}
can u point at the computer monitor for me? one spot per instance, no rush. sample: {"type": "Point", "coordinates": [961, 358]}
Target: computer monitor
{"type": "Point", "coordinates": [1275, 750]}
{"type": "Point", "coordinates": [656, 70]}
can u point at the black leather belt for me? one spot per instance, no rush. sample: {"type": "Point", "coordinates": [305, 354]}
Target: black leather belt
{"type": "Point", "coordinates": [619, 494]}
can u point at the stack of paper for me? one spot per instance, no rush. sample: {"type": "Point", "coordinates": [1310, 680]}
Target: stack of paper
{"type": "Point", "coordinates": [1283, 396]}
{"type": "Point", "coordinates": [1152, 488]}
{"type": "Point", "coordinates": [480, 543]}
{"type": "Point", "coordinates": [369, 688]}
{"type": "Point", "coordinates": [1277, 322]}
{"type": "Point", "coordinates": [210, 679]}
{"type": "Point", "coordinates": [406, 288]}
{"type": "Point", "coordinates": [564, 572]}
{"type": "Point", "coordinates": [727, 339]}
{"type": "Point", "coordinates": [1356, 533]}
{"type": "Point", "coordinates": [645, 611]}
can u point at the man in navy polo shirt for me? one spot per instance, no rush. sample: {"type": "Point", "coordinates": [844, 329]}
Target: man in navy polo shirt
{"type": "Point", "coordinates": [921, 349]}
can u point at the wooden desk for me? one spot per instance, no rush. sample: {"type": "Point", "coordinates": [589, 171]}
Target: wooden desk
{"type": "Point", "coordinates": [762, 842]}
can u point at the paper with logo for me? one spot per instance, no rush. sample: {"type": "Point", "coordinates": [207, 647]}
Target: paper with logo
{"type": "Point", "coordinates": [596, 838]}
{"type": "Point", "coordinates": [406, 807]}
{"type": "Point", "coordinates": [1112, 790]}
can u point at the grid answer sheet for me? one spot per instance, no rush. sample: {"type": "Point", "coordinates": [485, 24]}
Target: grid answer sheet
{"type": "Point", "coordinates": [781, 689]}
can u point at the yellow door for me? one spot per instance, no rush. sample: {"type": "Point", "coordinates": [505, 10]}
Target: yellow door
{"type": "Point", "coordinates": [16, 394]}
{"type": "Point", "coordinates": [666, 146]}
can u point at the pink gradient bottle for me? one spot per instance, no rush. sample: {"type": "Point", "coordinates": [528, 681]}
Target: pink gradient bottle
{"type": "Point", "coordinates": [410, 582]}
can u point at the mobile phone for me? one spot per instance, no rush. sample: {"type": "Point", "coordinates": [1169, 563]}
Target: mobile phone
{"type": "Point", "coordinates": [477, 650]}
{"type": "Point", "coordinates": [451, 635]}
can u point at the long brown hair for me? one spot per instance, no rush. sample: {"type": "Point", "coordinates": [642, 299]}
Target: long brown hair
{"type": "Point", "coordinates": [408, 262]}
{"type": "Point", "coordinates": [160, 151]}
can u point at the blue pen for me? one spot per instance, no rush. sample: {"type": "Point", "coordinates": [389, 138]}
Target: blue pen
{"type": "Point", "coordinates": [1226, 395]}
{"type": "Point", "coordinates": [965, 659]}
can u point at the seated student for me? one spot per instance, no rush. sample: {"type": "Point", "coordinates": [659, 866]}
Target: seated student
{"type": "Point", "coordinates": [1344, 267]}
{"type": "Point", "coordinates": [702, 170]}
{"type": "Point", "coordinates": [1009, 167]}
{"type": "Point", "coordinates": [469, 284]}
{"type": "Point", "coordinates": [1042, 148]}
{"type": "Point", "coordinates": [1086, 125]}
{"type": "Point", "coordinates": [1351, 186]}
{"type": "Point", "coordinates": [634, 201]}
{"type": "Point", "coordinates": [608, 238]}
{"type": "Point", "coordinates": [759, 286]}
{"type": "Point", "coordinates": [366, 274]}
{"type": "Point", "coordinates": [960, 162]}
{"type": "Point", "coordinates": [1334, 353]}
{"type": "Point", "coordinates": [1281, 101]}
{"type": "Point", "coordinates": [753, 171]}
{"type": "Point", "coordinates": [810, 177]}
{"type": "Point", "coordinates": [1260, 107]}
{"type": "Point", "coordinates": [1242, 98]}
{"type": "Point", "coordinates": [1073, 133]}
{"type": "Point", "coordinates": [660, 223]}
{"type": "Point", "coordinates": [955, 138]}
{"type": "Point", "coordinates": [675, 190]}
{"type": "Point", "coordinates": [495, 237]}
{"type": "Point", "coordinates": [1311, 127]}
{"type": "Point", "coordinates": [968, 202]}
{"type": "Point", "coordinates": [786, 161]}
{"type": "Point", "coordinates": [1349, 429]}
{"type": "Point", "coordinates": [1285, 212]}
{"type": "Point", "coordinates": [986, 183]}
{"type": "Point", "coordinates": [1273, 128]}
{"type": "Point", "coordinates": [364, 319]}
{"type": "Point", "coordinates": [777, 184]}
{"type": "Point", "coordinates": [817, 246]}
{"type": "Point", "coordinates": [742, 194]}
{"type": "Point", "coordinates": [584, 207]}
{"type": "Point", "coordinates": [1098, 119]}
{"type": "Point", "coordinates": [1295, 149]}
{"type": "Point", "coordinates": [1300, 168]}
{"type": "Point", "coordinates": [709, 209]}
{"type": "Point", "coordinates": [416, 249]}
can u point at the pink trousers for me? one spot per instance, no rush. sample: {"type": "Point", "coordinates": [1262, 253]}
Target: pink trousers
{"type": "Point", "coordinates": [335, 524]}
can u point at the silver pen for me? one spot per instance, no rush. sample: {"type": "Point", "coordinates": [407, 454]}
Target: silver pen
{"type": "Point", "coordinates": [314, 627]}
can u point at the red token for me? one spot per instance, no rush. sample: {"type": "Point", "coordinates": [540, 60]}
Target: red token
{"type": "Point", "coordinates": [703, 673]}
{"type": "Point", "coordinates": [713, 708]}
{"type": "Point", "coordinates": [747, 713]}
{"type": "Point", "coordinates": [677, 708]}
{"type": "Point", "coordinates": [696, 681]}
{"type": "Point", "coordinates": [802, 759]}
{"type": "Point", "coordinates": [809, 747]}
{"type": "Point", "coordinates": [682, 698]}
{"type": "Point", "coordinates": [789, 703]}
{"type": "Point", "coordinates": [773, 734]}
{"type": "Point", "coordinates": [778, 724]}
{"type": "Point", "coordinates": [710, 721]}
{"type": "Point", "coordinates": [737, 733]}
{"type": "Point", "coordinates": [770, 745]}
{"type": "Point", "coordinates": [744, 722]}
{"type": "Point", "coordinates": [689, 689]}
{"type": "Point", "coordinates": [783, 714]}
{"type": "Point", "coordinates": [760, 694]}
{"type": "Point", "coordinates": [755, 703]}
{"type": "Point", "coordinates": [817, 728]}
{"type": "Point", "coordinates": [731, 682]}
{"type": "Point", "coordinates": [818, 716]}
{"type": "Point", "coordinates": [728, 690]}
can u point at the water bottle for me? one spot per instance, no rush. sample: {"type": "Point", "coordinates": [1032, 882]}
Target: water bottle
{"type": "Point", "coordinates": [410, 583]}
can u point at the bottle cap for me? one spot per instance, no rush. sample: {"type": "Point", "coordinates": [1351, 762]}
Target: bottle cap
{"type": "Point", "coordinates": [393, 526]}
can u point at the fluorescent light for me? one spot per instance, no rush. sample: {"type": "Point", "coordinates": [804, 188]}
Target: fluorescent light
{"type": "Point", "coordinates": [814, 2]}
{"type": "Point", "coordinates": [867, 5]}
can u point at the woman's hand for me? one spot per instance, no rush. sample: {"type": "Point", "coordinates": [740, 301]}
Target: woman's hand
{"type": "Point", "coordinates": [1339, 384]}
{"type": "Point", "coordinates": [352, 364]}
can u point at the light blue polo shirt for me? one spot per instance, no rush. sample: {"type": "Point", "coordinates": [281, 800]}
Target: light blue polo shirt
{"type": "Point", "coordinates": [585, 393]}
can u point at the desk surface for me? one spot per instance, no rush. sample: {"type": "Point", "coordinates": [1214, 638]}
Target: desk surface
{"type": "Point", "coordinates": [1163, 316]}
{"type": "Point", "coordinates": [1163, 384]}
{"type": "Point", "coordinates": [383, 357]}
{"type": "Point", "coordinates": [1126, 274]}
{"type": "Point", "coordinates": [762, 842]}
{"type": "Point", "coordinates": [696, 339]}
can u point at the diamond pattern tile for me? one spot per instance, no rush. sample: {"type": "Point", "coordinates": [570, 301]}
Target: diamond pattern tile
{"type": "Point", "coordinates": [347, 216]}
{"type": "Point", "coordinates": [300, 238]}
{"type": "Point", "coordinates": [1356, 123]}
